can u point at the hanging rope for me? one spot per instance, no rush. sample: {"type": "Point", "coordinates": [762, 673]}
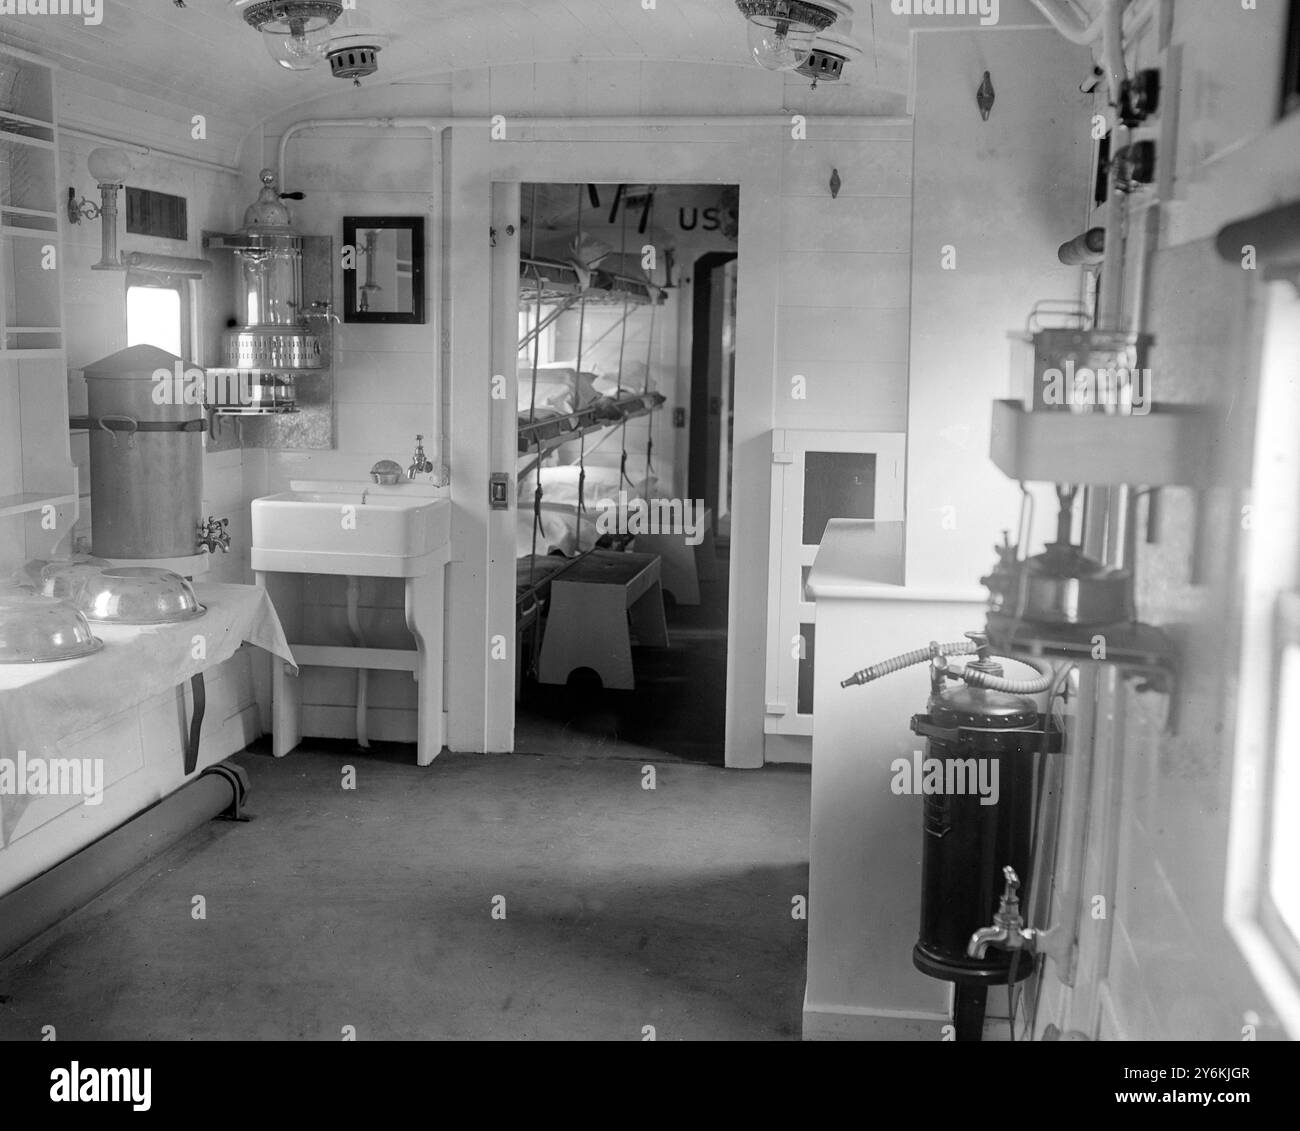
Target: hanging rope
{"type": "Point", "coordinates": [577, 401]}
{"type": "Point", "coordinates": [537, 336]}
{"type": "Point", "coordinates": [622, 345]}
{"type": "Point", "coordinates": [649, 354]}
{"type": "Point", "coordinates": [532, 400]}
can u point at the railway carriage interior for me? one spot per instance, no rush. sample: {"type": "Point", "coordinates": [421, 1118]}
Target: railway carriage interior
{"type": "Point", "coordinates": [679, 519]}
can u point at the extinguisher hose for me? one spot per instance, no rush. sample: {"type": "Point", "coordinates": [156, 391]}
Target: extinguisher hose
{"type": "Point", "coordinates": [976, 678]}
{"type": "Point", "coordinates": [908, 660]}
{"type": "Point", "coordinates": [973, 676]}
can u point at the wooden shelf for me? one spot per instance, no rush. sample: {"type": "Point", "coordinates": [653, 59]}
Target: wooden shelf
{"type": "Point", "coordinates": [22, 139]}
{"type": "Point", "coordinates": [29, 211]}
{"type": "Point", "coordinates": [33, 361]}
{"type": "Point", "coordinates": [1161, 448]}
{"type": "Point", "coordinates": [23, 119]}
{"type": "Point", "coordinates": [32, 501]}
{"type": "Point", "coordinates": [30, 354]}
{"type": "Point", "coordinates": [25, 233]}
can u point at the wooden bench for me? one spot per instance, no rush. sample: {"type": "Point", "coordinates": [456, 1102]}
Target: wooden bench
{"type": "Point", "coordinates": [682, 565]}
{"type": "Point", "coordinates": [591, 605]}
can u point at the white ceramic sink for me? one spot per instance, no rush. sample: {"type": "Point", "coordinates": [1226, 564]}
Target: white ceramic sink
{"type": "Point", "coordinates": [351, 527]}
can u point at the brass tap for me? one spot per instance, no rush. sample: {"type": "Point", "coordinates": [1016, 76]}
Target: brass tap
{"type": "Point", "coordinates": [214, 535]}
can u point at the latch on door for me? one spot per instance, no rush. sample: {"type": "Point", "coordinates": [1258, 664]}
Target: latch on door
{"type": "Point", "coordinates": [499, 491]}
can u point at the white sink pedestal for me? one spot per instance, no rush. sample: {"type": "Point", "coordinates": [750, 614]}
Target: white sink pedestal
{"type": "Point", "coordinates": [325, 528]}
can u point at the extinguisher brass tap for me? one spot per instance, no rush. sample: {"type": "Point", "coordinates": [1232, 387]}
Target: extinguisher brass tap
{"type": "Point", "coordinates": [1008, 931]}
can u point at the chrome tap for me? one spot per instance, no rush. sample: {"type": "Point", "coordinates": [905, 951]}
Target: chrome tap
{"type": "Point", "coordinates": [1008, 931]}
{"type": "Point", "coordinates": [214, 536]}
{"type": "Point", "coordinates": [420, 464]}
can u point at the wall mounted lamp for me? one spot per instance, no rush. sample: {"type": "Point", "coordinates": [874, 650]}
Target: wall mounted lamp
{"type": "Point", "coordinates": [109, 167]}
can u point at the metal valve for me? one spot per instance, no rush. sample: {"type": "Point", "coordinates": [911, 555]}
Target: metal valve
{"type": "Point", "coordinates": [1009, 908]}
{"type": "Point", "coordinates": [213, 535]}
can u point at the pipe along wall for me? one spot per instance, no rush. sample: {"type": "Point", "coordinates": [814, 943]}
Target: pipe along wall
{"type": "Point", "coordinates": [54, 895]}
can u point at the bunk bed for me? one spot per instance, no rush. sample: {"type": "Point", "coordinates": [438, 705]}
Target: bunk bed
{"type": "Point", "coordinates": [577, 589]}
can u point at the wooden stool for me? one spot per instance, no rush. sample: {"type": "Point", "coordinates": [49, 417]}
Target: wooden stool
{"type": "Point", "coordinates": [587, 624]}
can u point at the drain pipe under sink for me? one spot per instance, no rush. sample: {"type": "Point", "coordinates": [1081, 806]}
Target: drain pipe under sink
{"type": "Point", "coordinates": [363, 676]}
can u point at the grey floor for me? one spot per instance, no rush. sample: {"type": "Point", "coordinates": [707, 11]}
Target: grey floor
{"type": "Point", "coordinates": [623, 908]}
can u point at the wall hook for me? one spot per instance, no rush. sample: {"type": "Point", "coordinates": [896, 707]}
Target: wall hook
{"type": "Point", "coordinates": [984, 97]}
{"type": "Point", "coordinates": [836, 183]}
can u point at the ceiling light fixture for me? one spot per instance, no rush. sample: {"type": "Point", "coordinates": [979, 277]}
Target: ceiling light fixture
{"type": "Point", "coordinates": [296, 32]}
{"type": "Point", "coordinates": [781, 32]}
{"type": "Point", "coordinates": [354, 47]}
{"type": "Point", "coordinates": [832, 51]}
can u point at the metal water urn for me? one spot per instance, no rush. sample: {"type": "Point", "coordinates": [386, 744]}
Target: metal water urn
{"type": "Point", "coordinates": [146, 457]}
{"type": "Point", "coordinates": [272, 331]}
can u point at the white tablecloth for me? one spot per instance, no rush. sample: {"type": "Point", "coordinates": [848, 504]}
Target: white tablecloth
{"type": "Point", "coordinates": [42, 705]}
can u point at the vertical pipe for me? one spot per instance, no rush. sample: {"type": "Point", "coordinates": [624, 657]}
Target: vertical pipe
{"type": "Point", "coordinates": [363, 676]}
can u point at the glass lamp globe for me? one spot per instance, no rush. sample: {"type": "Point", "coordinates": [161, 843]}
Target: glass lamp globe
{"type": "Point", "coordinates": [109, 166]}
{"type": "Point", "coordinates": [780, 44]}
{"type": "Point", "coordinates": [297, 44]}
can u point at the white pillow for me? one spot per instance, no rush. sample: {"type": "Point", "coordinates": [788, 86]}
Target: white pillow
{"type": "Point", "coordinates": [555, 388]}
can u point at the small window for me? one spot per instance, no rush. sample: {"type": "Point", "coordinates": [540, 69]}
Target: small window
{"type": "Point", "coordinates": [154, 317]}
{"type": "Point", "coordinates": [1283, 867]}
{"type": "Point", "coordinates": [836, 485]}
{"type": "Point", "coordinates": [545, 347]}
{"type": "Point", "coordinates": [1261, 902]}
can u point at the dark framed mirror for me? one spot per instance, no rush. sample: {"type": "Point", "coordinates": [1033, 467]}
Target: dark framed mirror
{"type": "Point", "coordinates": [383, 269]}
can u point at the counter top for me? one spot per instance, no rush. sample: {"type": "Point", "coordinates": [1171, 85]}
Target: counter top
{"type": "Point", "coordinates": [863, 560]}
{"type": "Point", "coordinates": [41, 705]}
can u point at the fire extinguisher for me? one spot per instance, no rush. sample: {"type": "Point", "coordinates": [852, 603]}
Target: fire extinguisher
{"type": "Point", "coordinates": [977, 779]}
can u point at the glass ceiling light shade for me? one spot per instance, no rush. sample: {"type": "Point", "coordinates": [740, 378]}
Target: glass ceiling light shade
{"type": "Point", "coordinates": [296, 32]}
{"type": "Point", "coordinates": [781, 32]}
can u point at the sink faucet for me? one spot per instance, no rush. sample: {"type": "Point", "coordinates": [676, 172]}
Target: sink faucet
{"type": "Point", "coordinates": [420, 464]}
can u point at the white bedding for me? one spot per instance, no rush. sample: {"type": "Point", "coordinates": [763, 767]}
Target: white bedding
{"type": "Point", "coordinates": [556, 388]}
{"type": "Point", "coordinates": [559, 531]}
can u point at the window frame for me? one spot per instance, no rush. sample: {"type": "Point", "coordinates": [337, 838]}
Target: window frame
{"type": "Point", "coordinates": [1270, 625]}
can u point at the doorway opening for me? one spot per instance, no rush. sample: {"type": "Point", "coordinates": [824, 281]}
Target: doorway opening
{"type": "Point", "coordinates": [625, 381]}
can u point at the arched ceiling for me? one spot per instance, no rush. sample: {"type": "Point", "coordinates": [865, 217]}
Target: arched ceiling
{"type": "Point", "coordinates": [205, 54]}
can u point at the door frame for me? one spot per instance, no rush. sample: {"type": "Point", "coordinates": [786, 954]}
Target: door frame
{"type": "Point", "coordinates": [700, 462]}
{"type": "Point", "coordinates": [484, 177]}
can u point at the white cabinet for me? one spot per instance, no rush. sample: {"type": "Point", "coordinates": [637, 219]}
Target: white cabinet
{"type": "Point", "coordinates": [817, 476]}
